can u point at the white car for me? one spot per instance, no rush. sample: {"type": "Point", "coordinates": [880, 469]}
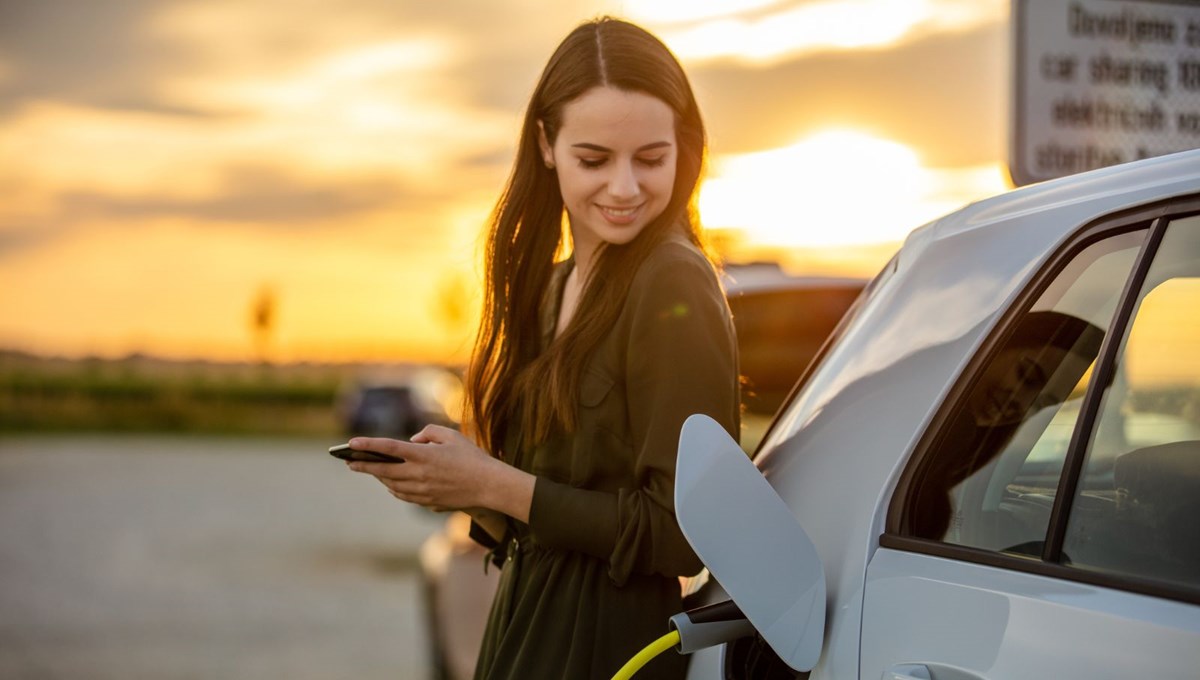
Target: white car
{"type": "Point", "coordinates": [993, 469]}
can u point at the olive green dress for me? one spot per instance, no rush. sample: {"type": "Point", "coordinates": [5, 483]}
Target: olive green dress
{"type": "Point", "coordinates": [593, 577]}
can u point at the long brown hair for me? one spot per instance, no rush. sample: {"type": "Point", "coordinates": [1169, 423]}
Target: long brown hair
{"type": "Point", "coordinates": [510, 377]}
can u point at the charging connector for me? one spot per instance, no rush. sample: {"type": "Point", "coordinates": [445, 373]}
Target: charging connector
{"type": "Point", "coordinates": [712, 625]}
{"type": "Point", "coordinates": [692, 631]}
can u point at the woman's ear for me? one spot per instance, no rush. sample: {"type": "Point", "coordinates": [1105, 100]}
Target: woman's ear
{"type": "Point", "coordinates": [544, 144]}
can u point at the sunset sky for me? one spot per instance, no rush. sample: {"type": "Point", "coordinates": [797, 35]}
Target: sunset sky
{"type": "Point", "coordinates": [166, 163]}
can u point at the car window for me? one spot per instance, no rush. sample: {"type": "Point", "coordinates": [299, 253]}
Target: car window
{"type": "Point", "coordinates": [990, 477]}
{"type": "Point", "coordinates": [1136, 510]}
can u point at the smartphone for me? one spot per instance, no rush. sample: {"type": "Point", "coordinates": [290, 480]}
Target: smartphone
{"type": "Point", "coordinates": [344, 452]}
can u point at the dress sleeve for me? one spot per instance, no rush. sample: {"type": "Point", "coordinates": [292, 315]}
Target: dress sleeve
{"type": "Point", "coordinates": [681, 359]}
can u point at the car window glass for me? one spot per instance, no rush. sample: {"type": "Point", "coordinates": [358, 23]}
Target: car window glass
{"type": "Point", "coordinates": [1137, 505]}
{"type": "Point", "coordinates": [990, 477]}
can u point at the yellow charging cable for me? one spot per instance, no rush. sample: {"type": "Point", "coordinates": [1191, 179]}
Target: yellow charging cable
{"type": "Point", "coordinates": [643, 657]}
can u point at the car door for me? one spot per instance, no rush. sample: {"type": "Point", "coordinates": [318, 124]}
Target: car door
{"type": "Point", "coordinates": [1048, 523]}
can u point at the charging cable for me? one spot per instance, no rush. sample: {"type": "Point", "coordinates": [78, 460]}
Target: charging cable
{"type": "Point", "coordinates": [649, 652]}
{"type": "Point", "coordinates": [691, 631]}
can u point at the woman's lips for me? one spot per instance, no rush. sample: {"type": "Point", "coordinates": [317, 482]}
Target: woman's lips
{"type": "Point", "coordinates": [620, 216]}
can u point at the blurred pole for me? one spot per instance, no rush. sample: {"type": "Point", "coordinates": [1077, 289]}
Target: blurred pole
{"type": "Point", "coordinates": [262, 322]}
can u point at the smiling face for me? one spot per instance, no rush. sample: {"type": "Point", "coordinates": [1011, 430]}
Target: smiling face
{"type": "Point", "coordinates": [615, 156]}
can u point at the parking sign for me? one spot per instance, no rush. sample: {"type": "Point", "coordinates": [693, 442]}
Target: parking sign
{"type": "Point", "coordinates": [1101, 82]}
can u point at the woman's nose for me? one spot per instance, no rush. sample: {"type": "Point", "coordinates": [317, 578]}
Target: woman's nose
{"type": "Point", "coordinates": [623, 183]}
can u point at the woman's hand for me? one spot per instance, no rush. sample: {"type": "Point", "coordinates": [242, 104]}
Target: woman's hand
{"type": "Point", "coordinates": [443, 470]}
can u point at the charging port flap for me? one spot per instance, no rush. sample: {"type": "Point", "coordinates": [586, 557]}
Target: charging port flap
{"type": "Point", "coordinates": [750, 541]}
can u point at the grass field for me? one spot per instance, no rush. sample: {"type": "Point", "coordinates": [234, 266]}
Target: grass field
{"type": "Point", "coordinates": [145, 394]}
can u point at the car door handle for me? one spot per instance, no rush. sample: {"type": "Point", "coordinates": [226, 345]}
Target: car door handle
{"type": "Point", "coordinates": [922, 671]}
{"type": "Point", "coordinates": [907, 671]}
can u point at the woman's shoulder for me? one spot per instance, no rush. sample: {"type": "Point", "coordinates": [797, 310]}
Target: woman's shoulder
{"type": "Point", "coordinates": [676, 295]}
{"type": "Point", "coordinates": [675, 257]}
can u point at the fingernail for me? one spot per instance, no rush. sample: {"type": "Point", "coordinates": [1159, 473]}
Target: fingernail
{"type": "Point", "coordinates": [354, 443]}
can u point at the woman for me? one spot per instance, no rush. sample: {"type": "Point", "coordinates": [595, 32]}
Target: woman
{"type": "Point", "coordinates": [584, 370]}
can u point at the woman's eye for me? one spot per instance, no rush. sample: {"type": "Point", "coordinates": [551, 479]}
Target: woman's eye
{"type": "Point", "coordinates": [591, 163]}
{"type": "Point", "coordinates": [653, 162]}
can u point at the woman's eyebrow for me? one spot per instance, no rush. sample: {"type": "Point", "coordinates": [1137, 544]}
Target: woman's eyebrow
{"type": "Point", "coordinates": [604, 149]}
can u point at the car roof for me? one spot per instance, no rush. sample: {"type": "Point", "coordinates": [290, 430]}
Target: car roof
{"type": "Point", "coordinates": [1148, 179]}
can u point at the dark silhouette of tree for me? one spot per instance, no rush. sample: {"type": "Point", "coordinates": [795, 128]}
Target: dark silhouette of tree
{"type": "Point", "coordinates": [262, 322]}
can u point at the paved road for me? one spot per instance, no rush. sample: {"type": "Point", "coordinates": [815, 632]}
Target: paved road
{"type": "Point", "coordinates": [184, 557]}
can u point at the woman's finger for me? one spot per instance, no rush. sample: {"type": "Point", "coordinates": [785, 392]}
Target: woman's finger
{"type": "Point", "coordinates": [414, 493]}
{"type": "Point", "coordinates": [391, 447]}
{"type": "Point", "coordinates": [382, 470]}
{"type": "Point", "coordinates": [435, 434]}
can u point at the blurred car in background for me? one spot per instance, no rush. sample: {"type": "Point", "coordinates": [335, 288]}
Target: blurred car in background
{"type": "Point", "coordinates": [398, 402]}
{"type": "Point", "coordinates": [781, 323]}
